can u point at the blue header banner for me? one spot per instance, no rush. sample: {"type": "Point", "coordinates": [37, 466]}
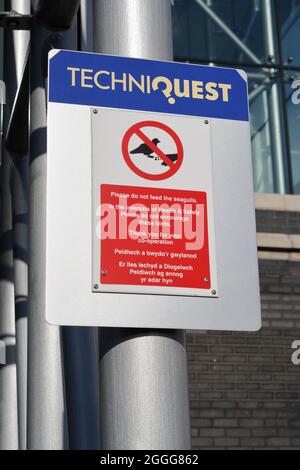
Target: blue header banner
{"type": "Point", "coordinates": [147, 85]}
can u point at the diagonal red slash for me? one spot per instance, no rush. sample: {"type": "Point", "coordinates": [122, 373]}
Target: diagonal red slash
{"type": "Point", "coordinates": [154, 147]}
{"type": "Point", "coordinates": [173, 167]}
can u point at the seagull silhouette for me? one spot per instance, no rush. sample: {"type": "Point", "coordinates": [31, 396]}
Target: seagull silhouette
{"type": "Point", "coordinates": [145, 149]}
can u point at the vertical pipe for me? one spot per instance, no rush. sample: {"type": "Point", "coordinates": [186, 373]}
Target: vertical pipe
{"type": "Point", "coordinates": [267, 163]}
{"type": "Point", "coordinates": [86, 26]}
{"type": "Point", "coordinates": [81, 359]}
{"type": "Point", "coordinates": [2, 6]}
{"type": "Point", "coordinates": [137, 28]}
{"type": "Point", "coordinates": [209, 35]}
{"type": "Point", "coordinates": [81, 352]}
{"type": "Point", "coordinates": [20, 241]}
{"type": "Point", "coordinates": [8, 374]}
{"type": "Point", "coordinates": [20, 238]}
{"type": "Point", "coordinates": [285, 113]}
{"type": "Point", "coordinates": [143, 373]}
{"type": "Point", "coordinates": [278, 143]}
{"type": "Point", "coordinates": [47, 423]}
{"type": "Point", "coordinates": [9, 439]}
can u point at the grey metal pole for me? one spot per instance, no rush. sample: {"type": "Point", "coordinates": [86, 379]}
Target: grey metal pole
{"type": "Point", "coordinates": [86, 23]}
{"type": "Point", "coordinates": [47, 420]}
{"type": "Point", "coordinates": [278, 147]}
{"type": "Point", "coordinates": [8, 374]}
{"type": "Point", "coordinates": [9, 439]}
{"type": "Point", "coordinates": [20, 237]}
{"type": "Point", "coordinates": [81, 351]}
{"type": "Point", "coordinates": [81, 359]}
{"type": "Point", "coordinates": [143, 374]}
{"type": "Point", "coordinates": [20, 240]}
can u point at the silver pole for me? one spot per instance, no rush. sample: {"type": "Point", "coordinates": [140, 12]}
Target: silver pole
{"type": "Point", "coordinates": [81, 351]}
{"type": "Point", "coordinates": [143, 374]}
{"type": "Point", "coordinates": [137, 28]}
{"type": "Point", "coordinates": [86, 21]}
{"type": "Point", "coordinates": [47, 420]}
{"type": "Point", "coordinates": [9, 439]}
{"type": "Point", "coordinates": [20, 238]}
{"type": "Point", "coordinates": [8, 374]}
{"type": "Point", "coordinates": [278, 147]}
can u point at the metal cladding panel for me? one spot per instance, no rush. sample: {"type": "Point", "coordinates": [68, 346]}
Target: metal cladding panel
{"type": "Point", "coordinates": [71, 294]}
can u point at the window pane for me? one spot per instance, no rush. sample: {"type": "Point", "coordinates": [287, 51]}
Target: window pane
{"type": "Point", "coordinates": [267, 131]}
{"type": "Point", "coordinates": [293, 103]}
{"type": "Point", "coordinates": [290, 27]}
{"type": "Point", "coordinates": [198, 36]}
{"type": "Point", "coordinates": [260, 132]}
{"type": "Point", "coordinates": [235, 32]}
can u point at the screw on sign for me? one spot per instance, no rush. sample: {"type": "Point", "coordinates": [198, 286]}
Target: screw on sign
{"type": "Point", "coordinates": [145, 151]}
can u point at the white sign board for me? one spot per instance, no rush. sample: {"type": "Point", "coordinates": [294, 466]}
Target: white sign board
{"type": "Point", "coordinates": [150, 212]}
{"type": "Point", "coordinates": [155, 203]}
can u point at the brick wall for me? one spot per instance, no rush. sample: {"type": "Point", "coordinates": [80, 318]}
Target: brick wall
{"type": "Point", "coordinates": [244, 389]}
{"type": "Point", "coordinates": [278, 222]}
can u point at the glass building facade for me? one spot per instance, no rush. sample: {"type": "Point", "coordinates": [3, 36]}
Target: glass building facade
{"type": "Point", "coordinates": [263, 38]}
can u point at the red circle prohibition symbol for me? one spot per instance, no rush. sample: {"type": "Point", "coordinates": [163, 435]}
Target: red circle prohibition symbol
{"type": "Point", "coordinates": [137, 129]}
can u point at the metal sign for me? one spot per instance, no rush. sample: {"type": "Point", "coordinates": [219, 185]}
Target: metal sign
{"type": "Point", "coordinates": [153, 227]}
{"type": "Point", "coordinates": [147, 85]}
{"type": "Point", "coordinates": [150, 212]}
